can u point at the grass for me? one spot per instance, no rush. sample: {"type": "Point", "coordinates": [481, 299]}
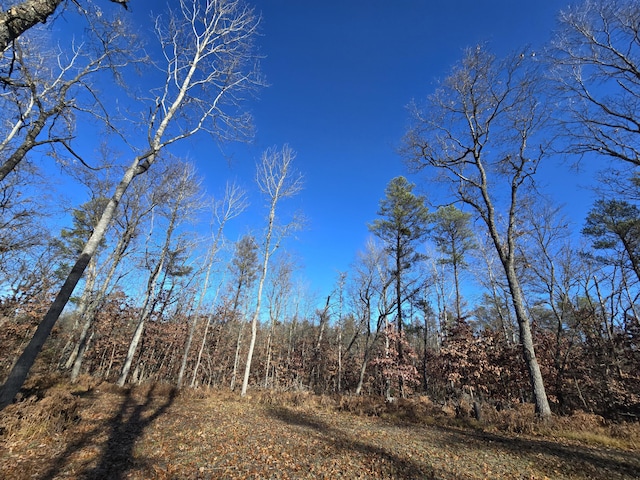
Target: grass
{"type": "Point", "coordinates": [154, 431]}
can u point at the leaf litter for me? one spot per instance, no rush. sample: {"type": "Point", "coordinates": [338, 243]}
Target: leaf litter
{"type": "Point", "coordinates": [156, 432]}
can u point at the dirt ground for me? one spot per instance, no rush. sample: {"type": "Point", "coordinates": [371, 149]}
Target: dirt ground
{"type": "Point", "coordinates": [157, 433]}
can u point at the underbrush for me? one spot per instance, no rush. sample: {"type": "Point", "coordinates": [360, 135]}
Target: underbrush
{"type": "Point", "coordinates": [45, 407]}
{"type": "Point", "coordinates": [50, 405]}
{"type": "Point", "coordinates": [520, 419]}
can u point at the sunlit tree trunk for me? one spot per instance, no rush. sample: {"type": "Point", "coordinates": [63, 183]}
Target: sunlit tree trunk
{"type": "Point", "coordinates": [277, 181]}
{"type": "Point", "coordinates": [185, 188]}
{"type": "Point", "coordinates": [231, 206]}
{"type": "Point", "coordinates": [214, 65]}
{"type": "Point", "coordinates": [480, 102]}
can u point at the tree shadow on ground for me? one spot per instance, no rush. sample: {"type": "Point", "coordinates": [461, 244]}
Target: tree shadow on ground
{"type": "Point", "coordinates": [402, 468]}
{"type": "Point", "coordinates": [125, 428]}
{"type": "Point", "coordinates": [567, 459]}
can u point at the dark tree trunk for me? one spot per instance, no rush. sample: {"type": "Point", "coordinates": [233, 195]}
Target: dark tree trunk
{"type": "Point", "coordinates": [20, 18]}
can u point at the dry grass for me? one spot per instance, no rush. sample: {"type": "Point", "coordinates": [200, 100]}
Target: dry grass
{"type": "Point", "coordinates": [92, 430]}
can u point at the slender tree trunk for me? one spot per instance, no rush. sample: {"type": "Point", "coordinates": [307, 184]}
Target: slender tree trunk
{"type": "Point", "coordinates": [236, 358]}
{"type": "Point", "coordinates": [98, 300]}
{"type": "Point", "coordinates": [20, 370]}
{"type": "Point", "coordinates": [144, 315]}
{"type": "Point", "coordinates": [363, 369]}
{"type": "Point", "coordinates": [456, 282]}
{"type": "Point", "coordinates": [151, 297]}
{"type": "Point", "coordinates": [275, 180]}
{"type": "Point", "coordinates": [387, 380]}
{"type": "Point", "coordinates": [196, 314]}
{"type": "Point", "coordinates": [268, 361]}
{"type": "Point", "coordinates": [202, 345]}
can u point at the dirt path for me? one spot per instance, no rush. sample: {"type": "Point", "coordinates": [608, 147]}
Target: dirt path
{"type": "Point", "coordinates": [121, 435]}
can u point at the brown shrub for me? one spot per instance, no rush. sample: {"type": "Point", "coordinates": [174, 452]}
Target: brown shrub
{"type": "Point", "coordinates": [35, 417]}
{"type": "Point", "coordinates": [362, 405]}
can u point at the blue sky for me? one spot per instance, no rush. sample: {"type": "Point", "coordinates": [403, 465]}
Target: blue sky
{"type": "Point", "coordinates": [341, 74]}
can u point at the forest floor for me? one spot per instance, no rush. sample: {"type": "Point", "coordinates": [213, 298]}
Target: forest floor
{"type": "Point", "coordinates": [154, 432]}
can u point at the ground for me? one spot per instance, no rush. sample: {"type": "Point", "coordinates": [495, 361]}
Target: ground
{"type": "Point", "coordinates": [157, 432]}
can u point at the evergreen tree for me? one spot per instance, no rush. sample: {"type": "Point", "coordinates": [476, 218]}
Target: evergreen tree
{"type": "Point", "coordinates": [615, 223]}
{"type": "Point", "coordinates": [453, 238]}
{"type": "Point", "coordinates": [402, 224]}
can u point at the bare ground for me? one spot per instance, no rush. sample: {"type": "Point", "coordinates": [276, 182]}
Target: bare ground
{"type": "Point", "coordinates": [157, 433]}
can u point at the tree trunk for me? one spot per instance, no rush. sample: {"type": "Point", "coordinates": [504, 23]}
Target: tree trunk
{"type": "Point", "coordinates": [20, 18]}
{"type": "Point", "coordinates": [202, 345]}
{"type": "Point", "coordinates": [268, 361]}
{"type": "Point", "coordinates": [275, 180]}
{"type": "Point", "coordinates": [149, 303]}
{"type": "Point", "coordinates": [542, 407]}
{"type": "Point", "coordinates": [97, 302]}
{"type": "Point", "coordinates": [83, 307]}
{"type": "Point", "coordinates": [20, 370]}
{"type": "Point", "coordinates": [196, 312]}
{"type": "Point", "coordinates": [236, 358]}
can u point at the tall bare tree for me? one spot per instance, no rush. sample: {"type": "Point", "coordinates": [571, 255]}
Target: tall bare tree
{"type": "Point", "coordinates": [595, 61]}
{"type": "Point", "coordinates": [138, 203]}
{"type": "Point", "coordinates": [372, 298]}
{"type": "Point", "coordinates": [480, 132]}
{"type": "Point", "coordinates": [182, 192]}
{"type": "Point", "coordinates": [210, 64]}
{"type": "Point", "coordinates": [232, 205]}
{"type": "Point", "coordinates": [277, 180]}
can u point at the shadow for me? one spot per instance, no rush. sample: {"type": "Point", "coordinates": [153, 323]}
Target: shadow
{"type": "Point", "coordinates": [125, 428]}
{"type": "Point", "coordinates": [591, 462]}
{"type": "Point", "coordinates": [552, 458]}
{"type": "Point", "coordinates": [339, 440]}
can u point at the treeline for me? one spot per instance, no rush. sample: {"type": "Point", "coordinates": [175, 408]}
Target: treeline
{"type": "Point", "coordinates": [493, 297]}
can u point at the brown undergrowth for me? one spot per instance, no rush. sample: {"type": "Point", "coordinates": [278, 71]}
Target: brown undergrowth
{"type": "Point", "coordinates": [91, 430]}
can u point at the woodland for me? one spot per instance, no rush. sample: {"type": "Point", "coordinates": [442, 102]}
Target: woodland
{"type": "Point", "coordinates": [132, 293]}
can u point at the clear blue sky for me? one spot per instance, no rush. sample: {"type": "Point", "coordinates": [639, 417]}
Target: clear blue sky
{"type": "Point", "coordinates": [341, 74]}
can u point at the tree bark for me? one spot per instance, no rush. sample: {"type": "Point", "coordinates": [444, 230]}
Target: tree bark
{"type": "Point", "coordinates": [151, 296]}
{"type": "Point", "coordinates": [97, 302]}
{"type": "Point", "coordinates": [20, 370]}
{"type": "Point", "coordinates": [20, 18]}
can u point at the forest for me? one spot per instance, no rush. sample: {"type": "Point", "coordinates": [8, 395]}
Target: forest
{"type": "Point", "coordinates": [491, 300]}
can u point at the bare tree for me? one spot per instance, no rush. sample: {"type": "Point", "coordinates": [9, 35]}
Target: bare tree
{"type": "Point", "coordinates": [372, 297]}
{"type": "Point", "coordinates": [555, 262]}
{"type": "Point", "coordinates": [209, 65]}
{"type": "Point", "coordinates": [21, 222]}
{"type": "Point", "coordinates": [595, 62]}
{"type": "Point", "coordinates": [44, 90]}
{"type": "Point", "coordinates": [138, 203]}
{"type": "Point", "coordinates": [480, 132]}
{"type": "Point", "coordinates": [277, 180]}
{"type": "Point", "coordinates": [278, 294]}
{"type": "Point", "coordinates": [181, 182]}
{"type": "Point", "coordinates": [232, 205]}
